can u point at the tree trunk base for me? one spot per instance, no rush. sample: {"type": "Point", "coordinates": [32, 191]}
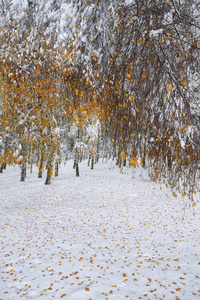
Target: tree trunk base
{"type": "Point", "coordinates": [77, 170]}
{"type": "Point", "coordinates": [92, 164]}
{"type": "Point", "coordinates": [48, 181]}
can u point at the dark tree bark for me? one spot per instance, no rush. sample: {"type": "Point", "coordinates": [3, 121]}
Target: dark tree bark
{"type": "Point", "coordinates": [144, 157]}
{"type": "Point", "coordinates": [124, 162]}
{"type": "Point", "coordinates": [56, 168]}
{"type": "Point", "coordinates": [77, 169]}
{"type": "Point", "coordinates": [23, 171]}
{"type": "Point", "coordinates": [74, 165]}
{"type": "Point", "coordinates": [41, 167]}
{"type": "Point", "coordinates": [1, 168]}
{"type": "Point", "coordinates": [92, 164]}
{"type": "Point", "coordinates": [49, 173]}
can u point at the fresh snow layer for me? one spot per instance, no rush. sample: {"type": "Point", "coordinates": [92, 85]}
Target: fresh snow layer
{"type": "Point", "coordinates": [104, 235]}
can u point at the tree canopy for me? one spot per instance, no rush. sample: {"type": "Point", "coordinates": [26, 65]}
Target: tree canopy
{"type": "Point", "coordinates": [116, 78]}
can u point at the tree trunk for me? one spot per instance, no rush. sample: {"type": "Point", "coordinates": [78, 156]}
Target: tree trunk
{"type": "Point", "coordinates": [169, 162]}
{"type": "Point", "coordinates": [81, 157]}
{"type": "Point", "coordinates": [77, 169]}
{"type": "Point", "coordinates": [119, 159]}
{"type": "Point", "coordinates": [76, 160]}
{"type": "Point", "coordinates": [74, 165]}
{"type": "Point", "coordinates": [92, 164]}
{"type": "Point", "coordinates": [97, 156]}
{"type": "Point", "coordinates": [124, 162]}
{"type": "Point", "coordinates": [23, 171]}
{"type": "Point", "coordinates": [1, 168]}
{"type": "Point", "coordinates": [144, 157]}
{"type": "Point", "coordinates": [56, 168]}
{"type": "Point", "coordinates": [41, 167]}
{"type": "Point", "coordinates": [89, 160]}
{"type": "Point", "coordinates": [49, 173]}
{"type": "Point", "coordinates": [4, 166]}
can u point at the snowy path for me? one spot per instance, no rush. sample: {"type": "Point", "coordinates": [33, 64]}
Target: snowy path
{"type": "Point", "coordinates": [102, 236]}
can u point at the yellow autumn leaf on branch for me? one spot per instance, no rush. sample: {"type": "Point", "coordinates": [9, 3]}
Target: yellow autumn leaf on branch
{"type": "Point", "coordinates": [169, 88]}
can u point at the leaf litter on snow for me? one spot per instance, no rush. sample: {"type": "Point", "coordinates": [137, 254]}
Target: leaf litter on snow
{"type": "Point", "coordinates": [104, 235]}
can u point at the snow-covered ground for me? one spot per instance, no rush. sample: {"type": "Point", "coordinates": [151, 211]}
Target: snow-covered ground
{"type": "Point", "coordinates": [104, 235]}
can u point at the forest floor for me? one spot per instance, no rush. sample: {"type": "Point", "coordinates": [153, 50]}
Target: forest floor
{"type": "Point", "coordinates": [103, 235]}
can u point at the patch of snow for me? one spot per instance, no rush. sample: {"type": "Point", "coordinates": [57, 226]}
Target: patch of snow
{"type": "Point", "coordinates": [155, 33]}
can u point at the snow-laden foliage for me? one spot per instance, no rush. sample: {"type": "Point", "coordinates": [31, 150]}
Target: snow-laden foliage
{"type": "Point", "coordinates": [132, 67]}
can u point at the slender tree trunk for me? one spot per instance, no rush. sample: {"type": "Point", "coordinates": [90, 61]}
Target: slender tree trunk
{"type": "Point", "coordinates": [76, 160]}
{"type": "Point", "coordinates": [169, 162]}
{"type": "Point", "coordinates": [144, 157]}
{"type": "Point", "coordinates": [80, 157]}
{"type": "Point", "coordinates": [92, 163]}
{"type": "Point", "coordinates": [97, 156]}
{"type": "Point", "coordinates": [74, 166]}
{"type": "Point", "coordinates": [89, 158]}
{"type": "Point", "coordinates": [31, 159]}
{"type": "Point", "coordinates": [56, 168]}
{"type": "Point", "coordinates": [23, 171]}
{"type": "Point", "coordinates": [77, 169]}
{"type": "Point", "coordinates": [124, 162]}
{"type": "Point", "coordinates": [1, 168]}
{"type": "Point", "coordinates": [41, 166]}
{"type": "Point", "coordinates": [119, 159]}
{"type": "Point", "coordinates": [49, 172]}
{"type": "Point", "coordinates": [4, 166]}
